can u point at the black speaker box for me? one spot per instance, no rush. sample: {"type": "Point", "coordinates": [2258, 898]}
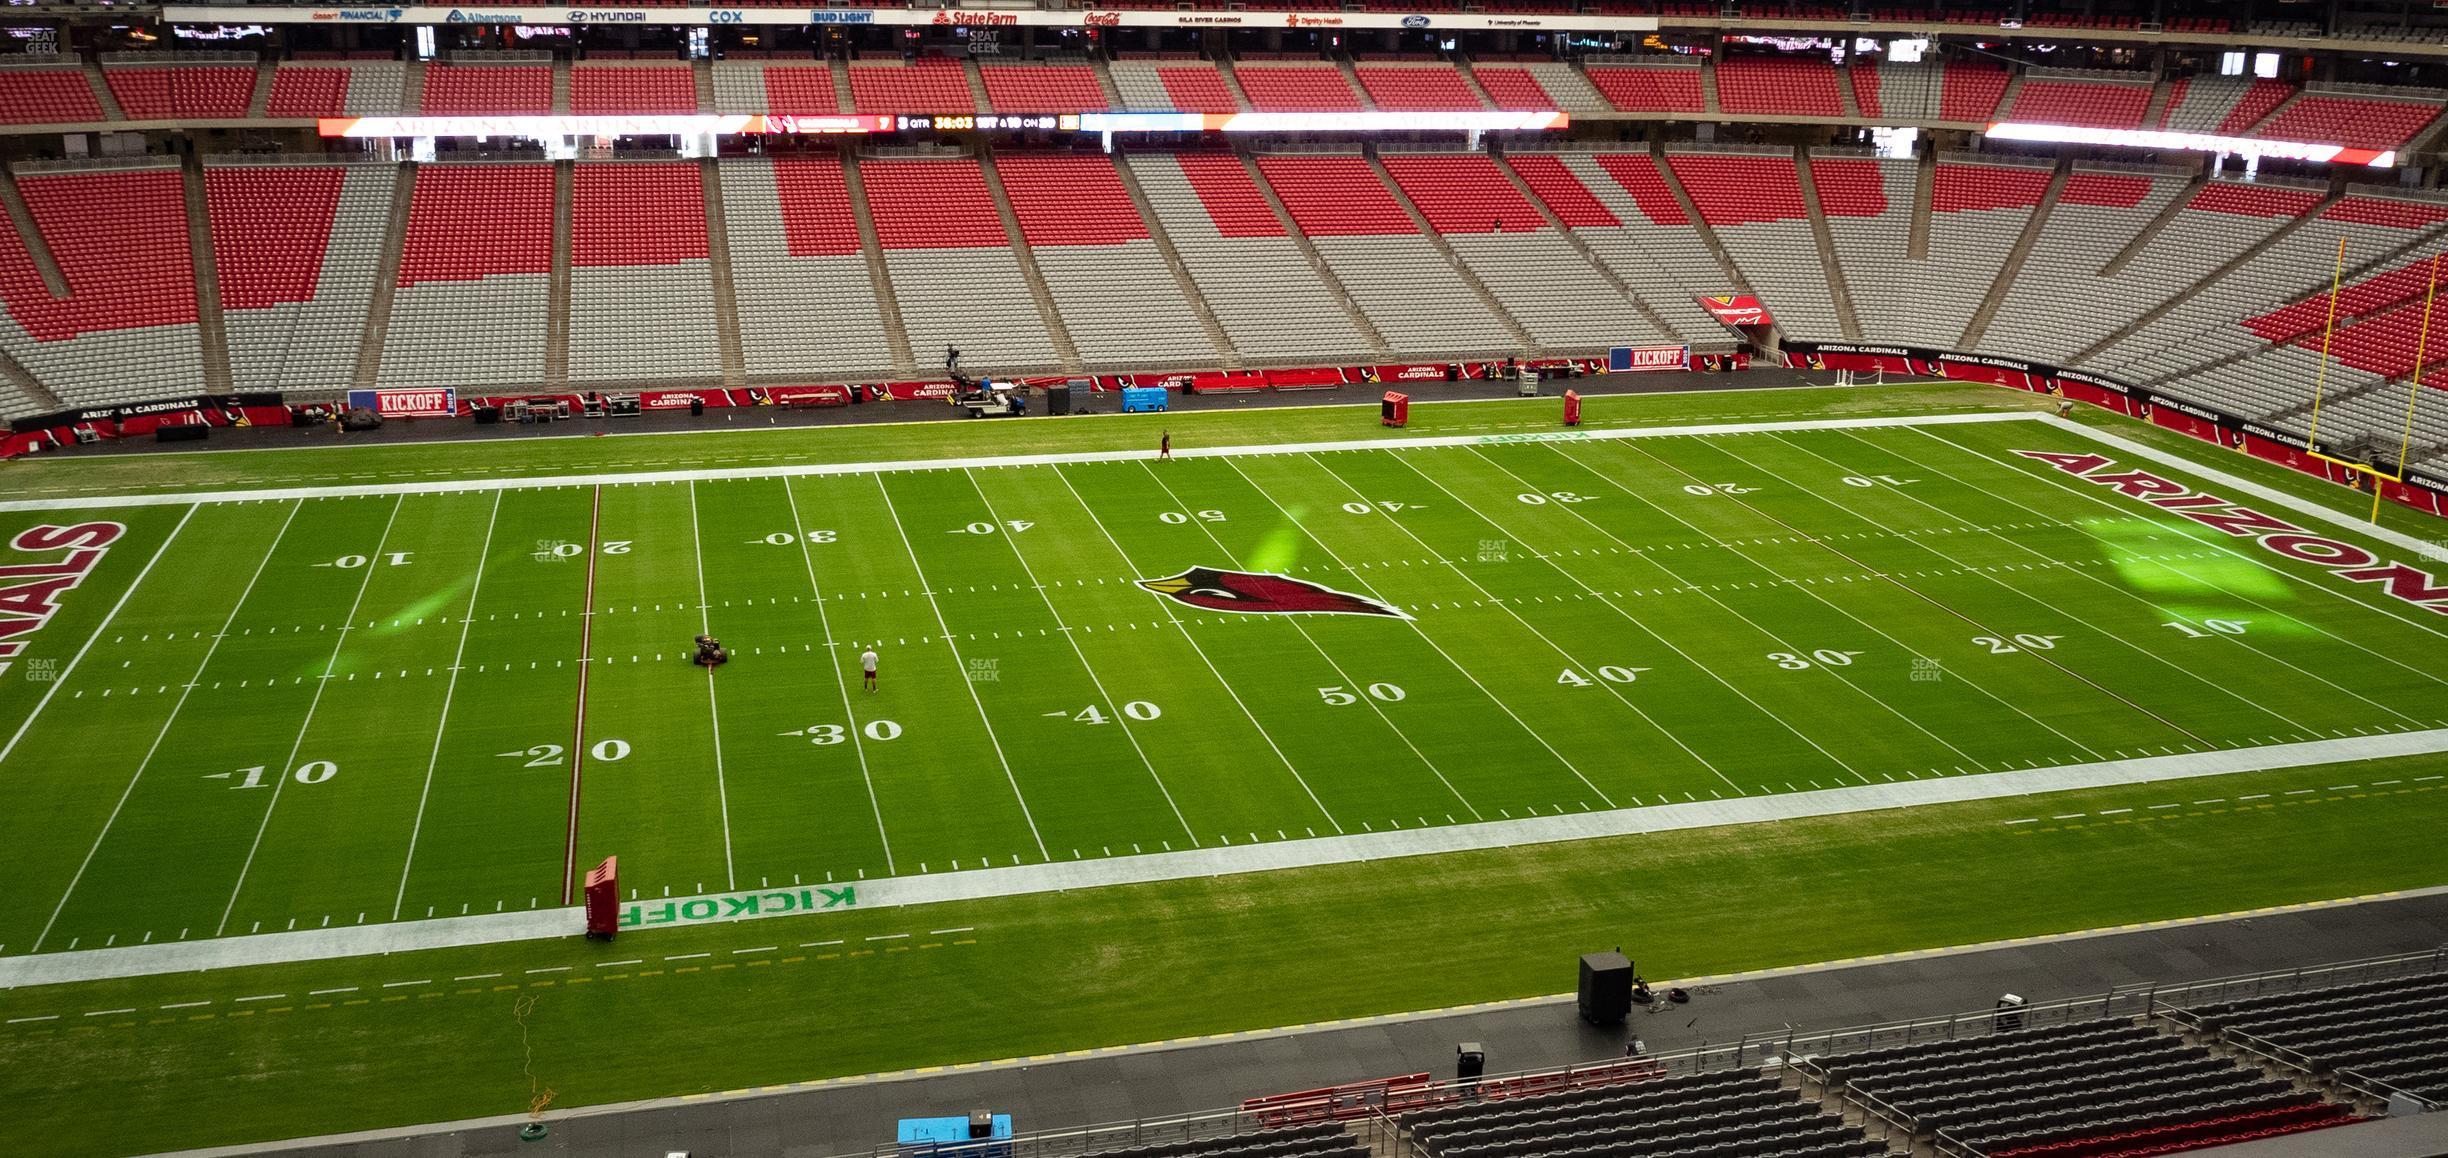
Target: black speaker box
{"type": "Point", "coordinates": [1606, 988]}
{"type": "Point", "coordinates": [486, 415]}
{"type": "Point", "coordinates": [181, 432]}
{"type": "Point", "coordinates": [1058, 400]}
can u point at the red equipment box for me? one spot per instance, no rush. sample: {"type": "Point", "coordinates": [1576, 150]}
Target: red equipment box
{"type": "Point", "coordinates": [603, 900]}
{"type": "Point", "coordinates": [1395, 410]}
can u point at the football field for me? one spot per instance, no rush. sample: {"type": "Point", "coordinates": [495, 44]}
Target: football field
{"type": "Point", "coordinates": [310, 710]}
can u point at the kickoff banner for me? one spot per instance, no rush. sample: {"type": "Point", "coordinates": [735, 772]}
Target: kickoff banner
{"type": "Point", "coordinates": [2209, 424]}
{"type": "Point", "coordinates": [434, 403]}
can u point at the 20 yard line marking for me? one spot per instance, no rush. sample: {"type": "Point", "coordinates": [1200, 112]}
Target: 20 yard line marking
{"type": "Point", "coordinates": [99, 628]}
{"type": "Point", "coordinates": [466, 621]}
{"type": "Point", "coordinates": [945, 628]}
{"type": "Point", "coordinates": [705, 625]}
{"type": "Point", "coordinates": [147, 762]}
{"type": "Point", "coordinates": [586, 641]}
{"type": "Point", "coordinates": [841, 680]}
{"type": "Point", "coordinates": [331, 663]}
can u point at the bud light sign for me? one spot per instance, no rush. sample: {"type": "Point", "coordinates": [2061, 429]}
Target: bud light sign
{"type": "Point", "coordinates": [439, 403]}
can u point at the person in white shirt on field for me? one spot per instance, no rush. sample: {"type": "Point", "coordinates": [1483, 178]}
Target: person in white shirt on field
{"type": "Point", "coordinates": [867, 664]}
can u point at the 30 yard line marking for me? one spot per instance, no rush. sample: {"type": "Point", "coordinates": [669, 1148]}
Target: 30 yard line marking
{"type": "Point", "coordinates": [70, 670]}
{"type": "Point", "coordinates": [147, 762]}
{"type": "Point", "coordinates": [467, 619]}
{"type": "Point", "coordinates": [1340, 673]}
{"type": "Point", "coordinates": [1175, 620]}
{"type": "Point", "coordinates": [331, 663]}
{"type": "Point", "coordinates": [705, 625]}
{"type": "Point", "coordinates": [945, 629]}
{"type": "Point", "coordinates": [841, 680]}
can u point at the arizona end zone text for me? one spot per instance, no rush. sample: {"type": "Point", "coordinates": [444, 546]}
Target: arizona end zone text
{"type": "Point", "coordinates": [33, 592]}
{"type": "Point", "coordinates": [2346, 560]}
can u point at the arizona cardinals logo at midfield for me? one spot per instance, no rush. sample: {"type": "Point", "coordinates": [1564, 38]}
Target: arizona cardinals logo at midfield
{"type": "Point", "coordinates": [1261, 594]}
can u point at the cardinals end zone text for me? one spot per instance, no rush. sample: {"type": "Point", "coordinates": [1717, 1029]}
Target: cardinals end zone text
{"type": "Point", "coordinates": [32, 591]}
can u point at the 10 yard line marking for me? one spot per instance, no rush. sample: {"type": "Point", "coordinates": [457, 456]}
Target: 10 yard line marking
{"type": "Point", "coordinates": [99, 628]}
{"type": "Point", "coordinates": [330, 664]}
{"type": "Point", "coordinates": [824, 623]}
{"type": "Point", "coordinates": [705, 624]}
{"type": "Point", "coordinates": [466, 620]}
{"type": "Point", "coordinates": [189, 690]}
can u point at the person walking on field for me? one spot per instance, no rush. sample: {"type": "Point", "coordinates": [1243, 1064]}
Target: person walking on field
{"type": "Point", "coordinates": [867, 664]}
{"type": "Point", "coordinates": [1164, 446]}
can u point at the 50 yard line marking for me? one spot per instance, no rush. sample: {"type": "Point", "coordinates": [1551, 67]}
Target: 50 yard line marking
{"type": "Point", "coordinates": [330, 664]}
{"type": "Point", "coordinates": [586, 641]}
{"type": "Point", "coordinates": [99, 628]}
{"type": "Point", "coordinates": [467, 619]}
{"type": "Point", "coordinates": [147, 762]}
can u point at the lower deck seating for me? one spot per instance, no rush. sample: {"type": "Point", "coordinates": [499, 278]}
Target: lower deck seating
{"type": "Point", "coordinates": [806, 303]}
{"type": "Point", "coordinates": [1271, 303]}
{"type": "Point", "coordinates": [2381, 1033]}
{"type": "Point", "coordinates": [1739, 1112]}
{"type": "Point", "coordinates": [2081, 1088]}
{"type": "Point", "coordinates": [126, 330]}
{"type": "Point", "coordinates": [296, 249]}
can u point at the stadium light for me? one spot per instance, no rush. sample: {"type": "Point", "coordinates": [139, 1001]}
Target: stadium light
{"type": "Point", "coordinates": [2193, 143]}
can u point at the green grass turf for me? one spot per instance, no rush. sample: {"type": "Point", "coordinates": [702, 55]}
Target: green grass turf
{"type": "Point", "coordinates": [754, 1004]}
{"type": "Point", "coordinates": [982, 748]}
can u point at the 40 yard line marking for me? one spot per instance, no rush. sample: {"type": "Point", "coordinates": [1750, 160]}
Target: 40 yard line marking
{"type": "Point", "coordinates": [705, 626]}
{"type": "Point", "coordinates": [330, 663]}
{"type": "Point", "coordinates": [1094, 680]}
{"type": "Point", "coordinates": [1221, 682]}
{"type": "Point", "coordinates": [824, 623]}
{"type": "Point", "coordinates": [944, 628]}
{"type": "Point", "coordinates": [586, 641]}
{"type": "Point", "coordinates": [467, 619]}
{"type": "Point", "coordinates": [172, 718]}
{"type": "Point", "coordinates": [99, 628]}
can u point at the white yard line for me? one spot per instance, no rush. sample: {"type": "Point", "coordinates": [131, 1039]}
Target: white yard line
{"type": "Point", "coordinates": [1422, 632]}
{"type": "Point", "coordinates": [1056, 876]}
{"type": "Point", "coordinates": [62, 678]}
{"type": "Point", "coordinates": [806, 469]}
{"type": "Point", "coordinates": [330, 663]}
{"type": "Point", "coordinates": [185, 691]}
{"type": "Point", "coordinates": [841, 680]}
{"type": "Point", "coordinates": [944, 628]}
{"type": "Point", "coordinates": [1348, 680]}
{"type": "Point", "coordinates": [1098, 682]}
{"type": "Point", "coordinates": [1192, 640]}
{"type": "Point", "coordinates": [2123, 592]}
{"type": "Point", "coordinates": [467, 619]}
{"type": "Point", "coordinates": [705, 626]}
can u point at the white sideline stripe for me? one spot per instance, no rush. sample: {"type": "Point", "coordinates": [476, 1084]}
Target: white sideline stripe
{"type": "Point", "coordinates": [1022, 880]}
{"type": "Point", "coordinates": [2437, 551]}
{"type": "Point", "coordinates": [787, 471]}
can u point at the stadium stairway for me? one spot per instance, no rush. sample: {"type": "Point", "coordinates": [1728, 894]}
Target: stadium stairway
{"type": "Point", "coordinates": [1059, 334]}
{"type": "Point", "coordinates": [2255, 127]}
{"type": "Point", "coordinates": [1581, 245]}
{"type": "Point", "coordinates": [1838, 290]}
{"type": "Point", "coordinates": [102, 91]}
{"type": "Point", "coordinates": [1700, 225]}
{"type": "Point", "coordinates": [1105, 82]}
{"type": "Point", "coordinates": [905, 363]}
{"type": "Point", "coordinates": [1925, 186]}
{"type": "Point", "coordinates": [2012, 267]}
{"type": "Point", "coordinates": [978, 93]}
{"type": "Point", "coordinates": [36, 245]}
{"type": "Point", "coordinates": [718, 262]}
{"type": "Point", "coordinates": [1196, 296]}
{"type": "Point", "coordinates": [1317, 262]}
{"type": "Point", "coordinates": [386, 282]}
{"type": "Point", "coordinates": [2142, 240]}
{"type": "Point", "coordinates": [844, 98]}
{"type": "Point", "coordinates": [701, 74]}
{"type": "Point", "coordinates": [1470, 80]}
{"type": "Point", "coordinates": [1232, 81]}
{"type": "Point", "coordinates": [1351, 76]}
{"type": "Point", "coordinates": [557, 298]}
{"type": "Point", "coordinates": [1436, 241]}
{"type": "Point", "coordinates": [561, 83]}
{"type": "Point", "coordinates": [412, 86]}
{"type": "Point", "coordinates": [212, 330]}
{"type": "Point", "coordinates": [2156, 111]}
{"type": "Point", "coordinates": [2227, 267]}
{"type": "Point", "coordinates": [265, 65]}
{"type": "Point", "coordinates": [1844, 89]}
